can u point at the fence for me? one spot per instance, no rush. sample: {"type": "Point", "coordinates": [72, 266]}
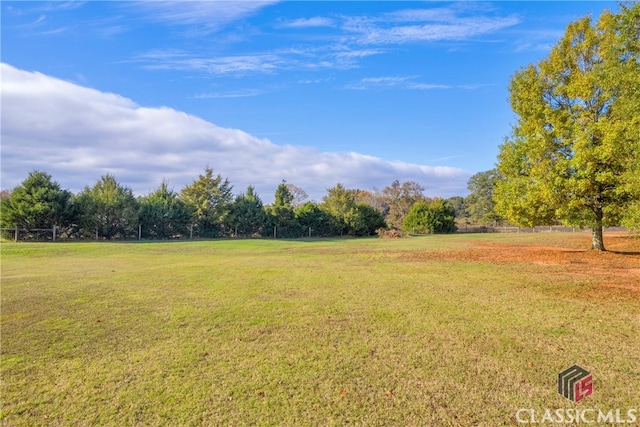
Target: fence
{"type": "Point", "coordinates": [31, 234]}
{"type": "Point", "coordinates": [537, 229]}
{"type": "Point", "coordinates": [54, 234]}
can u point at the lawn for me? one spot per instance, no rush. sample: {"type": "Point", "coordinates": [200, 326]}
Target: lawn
{"type": "Point", "coordinates": [430, 331]}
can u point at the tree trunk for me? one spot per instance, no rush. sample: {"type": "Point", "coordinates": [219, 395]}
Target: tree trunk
{"type": "Point", "coordinates": [597, 242]}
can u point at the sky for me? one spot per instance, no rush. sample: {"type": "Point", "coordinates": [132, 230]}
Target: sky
{"type": "Point", "coordinates": [315, 93]}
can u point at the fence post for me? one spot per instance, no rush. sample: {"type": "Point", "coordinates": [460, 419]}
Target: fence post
{"type": "Point", "coordinates": [274, 232]}
{"type": "Point", "coordinates": [309, 232]}
{"type": "Point", "coordinates": [191, 232]}
{"type": "Point", "coordinates": [54, 233]}
{"type": "Point", "coordinates": [16, 236]}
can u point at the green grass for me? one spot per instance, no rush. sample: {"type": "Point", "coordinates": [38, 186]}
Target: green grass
{"type": "Point", "coordinates": [324, 332]}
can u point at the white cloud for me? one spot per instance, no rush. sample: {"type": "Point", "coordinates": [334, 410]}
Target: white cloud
{"type": "Point", "coordinates": [425, 25]}
{"type": "Point", "coordinates": [202, 17]}
{"type": "Point", "coordinates": [316, 21]}
{"type": "Point", "coordinates": [78, 134]}
{"type": "Point", "coordinates": [238, 64]}
{"type": "Point", "coordinates": [432, 86]}
{"type": "Point", "coordinates": [418, 15]}
{"type": "Point", "coordinates": [243, 93]}
{"type": "Point", "coordinates": [386, 82]}
{"type": "Point", "coordinates": [311, 58]}
{"type": "Point", "coordinates": [406, 82]}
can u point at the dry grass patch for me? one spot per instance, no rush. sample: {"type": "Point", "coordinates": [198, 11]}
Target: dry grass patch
{"type": "Point", "coordinates": [617, 268]}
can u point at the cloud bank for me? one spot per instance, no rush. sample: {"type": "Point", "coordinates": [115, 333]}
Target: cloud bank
{"type": "Point", "coordinates": [77, 134]}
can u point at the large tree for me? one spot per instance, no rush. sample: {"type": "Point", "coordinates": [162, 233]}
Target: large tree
{"type": "Point", "coordinates": [373, 198]}
{"type": "Point", "coordinates": [338, 201]}
{"type": "Point", "coordinates": [108, 208]}
{"type": "Point", "coordinates": [479, 203]}
{"type": "Point", "coordinates": [299, 195]}
{"type": "Point", "coordinates": [38, 202]}
{"type": "Point", "coordinates": [400, 198]}
{"type": "Point", "coordinates": [210, 199]}
{"type": "Point", "coordinates": [573, 150]}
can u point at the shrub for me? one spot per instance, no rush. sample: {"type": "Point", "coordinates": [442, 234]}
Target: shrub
{"type": "Point", "coordinates": [433, 217]}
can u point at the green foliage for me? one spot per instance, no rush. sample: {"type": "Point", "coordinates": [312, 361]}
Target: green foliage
{"type": "Point", "coordinates": [479, 203]}
{"type": "Point", "coordinates": [432, 217]}
{"type": "Point", "coordinates": [108, 207]}
{"type": "Point", "coordinates": [282, 213]}
{"type": "Point", "coordinates": [459, 205]}
{"type": "Point", "coordinates": [631, 217]}
{"type": "Point", "coordinates": [347, 215]}
{"type": "Point", "coordinates": [399, 199]}
{"type": "Point", "coordinates": [571, 154]}
{"type": "Point", "coordinates": [338, 202]}
{"type": "Point", "coordinates": [363, 220]}
{"type": "Point", "coordinates": [247, 216]}
{"type": "Point", "coordinates": [210, 200]}
{"type": "Point", "coordinates": [310, 215]}
{"type": "Point", "coordinates": [38, 202]}
{"type": "Point", "coordinates": [164, 215]}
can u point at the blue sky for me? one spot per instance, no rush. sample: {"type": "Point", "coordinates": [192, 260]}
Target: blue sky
{"type": "Point", "coordinates": [315, 93]}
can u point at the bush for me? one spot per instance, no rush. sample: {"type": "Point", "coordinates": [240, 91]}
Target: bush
{"type": "Point", "coordinates": [434, 217]}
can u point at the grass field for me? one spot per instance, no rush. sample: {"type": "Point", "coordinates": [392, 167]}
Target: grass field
{"type": "Point", "coordinates": [426, 331]}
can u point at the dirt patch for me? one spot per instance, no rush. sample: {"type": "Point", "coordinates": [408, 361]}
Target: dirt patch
{"type": "Point", "coordinates": [617, 268]}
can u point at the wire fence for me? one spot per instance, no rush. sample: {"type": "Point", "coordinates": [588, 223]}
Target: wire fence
{"type": "Point", "coordinates": [60, 234]}
{"type": "Point", "coordinates": [30, 234]}
{"type": "Point", "coordinates": [537, 229]}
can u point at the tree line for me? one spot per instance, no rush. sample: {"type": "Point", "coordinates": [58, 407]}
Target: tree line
{"type": "Point", "coordinates": [207, 208]}
{"type": "Point", "coordinates": [573, 157]}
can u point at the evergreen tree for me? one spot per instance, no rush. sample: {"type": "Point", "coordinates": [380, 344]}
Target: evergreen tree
{"type": "Point", "coordinates": [337, 203]}
{"type": "Point", "coordinates": [210, 200]}
{"type": "Point", "coordinates": [248, 216]}
{"type": "Point", "coordinates": [163, 215]}
{"type": "Point", "coordinates": [109, 208]}
{"type": "Point", "coordinates": [311, 216]}
{"type": "Point", "coordinates": [38, 202]}
{"type": "Point", "coordinates": [282, 213]}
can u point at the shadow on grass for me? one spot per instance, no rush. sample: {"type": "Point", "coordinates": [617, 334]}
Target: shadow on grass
{"type": "Point", "coordinates": [212, 239]}
{"type": "Point", "coordinates": [628, 253]}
